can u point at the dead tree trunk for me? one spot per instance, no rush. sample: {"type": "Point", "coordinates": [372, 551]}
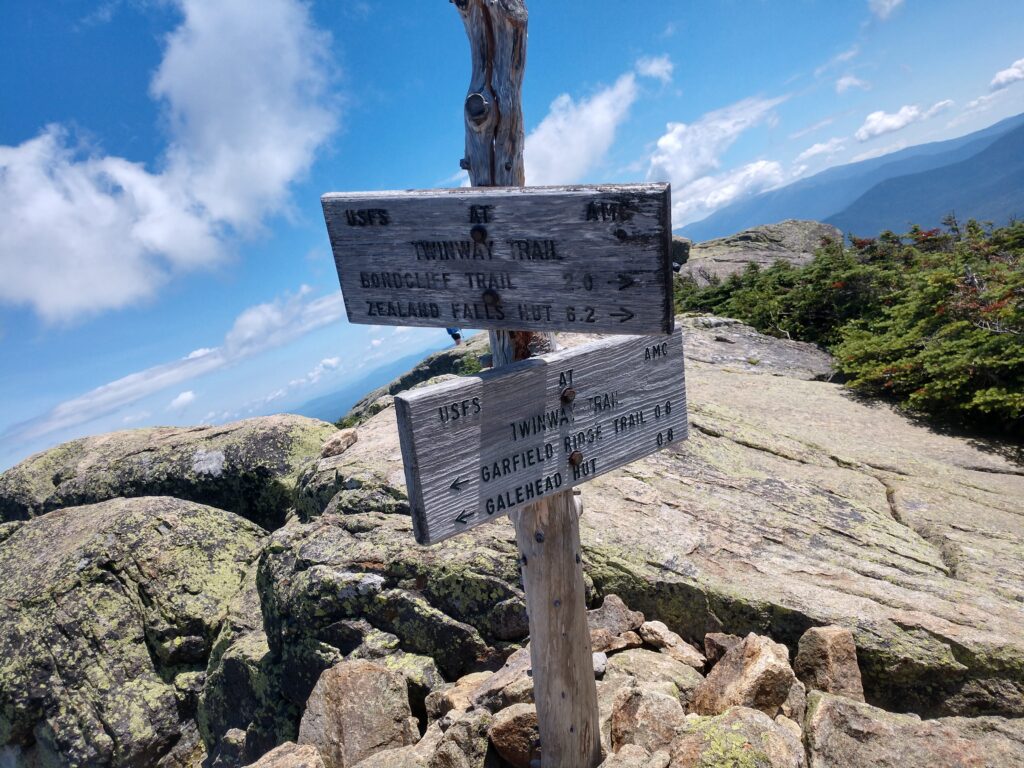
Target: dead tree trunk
{"type": "Point", "coordinates": [547, 532]}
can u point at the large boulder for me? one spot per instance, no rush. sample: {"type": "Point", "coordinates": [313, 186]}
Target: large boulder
{"type": "Point", "coordinates": [107, 617]}
{"type": "Point", "coordinates": [755, 674]}
{"type": "Point", "coordinates": [291, 755]}
{"type": "Point", "coordinates": [738, 737]}
{"type": "Point", "coordinates": [646, 666]}
{"type": "Point", "coordinates": [827, 661]}
{"type": "Point", "coordinates": [791, 241]}
{"type": "Point", "coordinates": [792, 505]}
{"type": "Point", "coordinates": [356, 709]}
{"type": "Point", "coordinates": [247, 467]}
{"type": "Point", "coordinates": [842, 733]}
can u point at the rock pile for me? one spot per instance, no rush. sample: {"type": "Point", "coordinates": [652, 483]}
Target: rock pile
{"type": "Point", "coordinates": [218, 621]}
{"type": "Point", "coordinates": [746, 709]}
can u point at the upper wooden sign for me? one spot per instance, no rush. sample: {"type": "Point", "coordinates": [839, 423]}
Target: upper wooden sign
{"type": "Point", "coordinates": [478, 446]}
{"type": "Point", "coordinates": [590, 259]}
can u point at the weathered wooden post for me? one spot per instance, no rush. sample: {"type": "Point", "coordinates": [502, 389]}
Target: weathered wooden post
{"type": "Point", "coordinates": [516, 439]}
{"type": "Point", "coordinates": [547, 532]}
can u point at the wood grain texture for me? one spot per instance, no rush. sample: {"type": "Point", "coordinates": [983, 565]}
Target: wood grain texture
{"type": "Point", "coordinates": [561, 663]}
{"type": "Point", "coordinates": [590, 259]}
{"type": "Point", "coordinates": [479, 446]}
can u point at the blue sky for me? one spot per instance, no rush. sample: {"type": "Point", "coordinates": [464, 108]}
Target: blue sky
{"type": "Point", "coordinates": [163, 259]}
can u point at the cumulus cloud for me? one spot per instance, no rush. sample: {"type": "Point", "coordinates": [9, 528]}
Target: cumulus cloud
{"type": "Point", "coordinates": [689, 154]}
{"type": "Point", "coordinates": [244, 96]}
{"type": "Point", "coordinates": [707, 194]}
{"type": "Point", "coordinates": [658, 67]}
{"type": "Point", "coordinates": [827, 148]}
{"type": "Point", "coordinates": [1007, 77]}
{"type": "Point", "coordinates": [884, 8]}
{"type": "Point", "coordinates": [880, 122]}
{"type": "Point", "coordinates": [846, 82]}
{"type": "Point", "coordinates": [255, 330]}
{"type": "Point", "coordinates": [575, 136]}
{"type": "Point", "coordinates": [185, 398]}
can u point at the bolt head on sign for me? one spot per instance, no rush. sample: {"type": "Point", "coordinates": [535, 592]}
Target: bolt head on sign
{"type": "Point", "coordinates": [480, 446]}
{"type": "Point", "coordinates": [585, 259]}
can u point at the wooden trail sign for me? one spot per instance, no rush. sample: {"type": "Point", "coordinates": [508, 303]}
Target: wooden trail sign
{"type": "Point", "coordinates": [589, 259]}
{"type": "Point", "coordinates": [480, 446]}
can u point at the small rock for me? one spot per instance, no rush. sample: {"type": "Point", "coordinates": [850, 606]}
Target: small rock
{"type": "Point", "coordinates": [656, 668]}
{"type": "Point", "coordinates": [465, 743]}
{"type": "Point", "coordinates": [515, 735]}
{"type": "Point", "coordinates": [357, 708]}
{"type": "Point", "coordinates": [755, 673]}
{"type": "Point", "coordinates": [645, 717]}
{"type": "Point", "coordinates": [415, 756]}
{"type": "Point", "coordinates": [601, 640]}
{"type": "Point", "coordinates": [842, 733]}
{"type": "Point", "coordinates": [511, 684]}
{"type": "Point", "coordinates": [291, 755]}
{"type": "Point", "coordinates": [614, 616]}
{"type": "Point", "coordinates": [795, 705]}
{"type": "Point", "coordinates": [600, 664]}
{"type": "Point", "coordinates": [629, 756]}
{"type": "Point", "coordinates": [339, 443]}
{"type": "Point", "coordinates": [740, 737]}
{"type": "Point", "coordinates": [655, 633]}
{"type": "Point", "coordinates": [607, 692]}
{"type": "Point", "coordinates": [457, 696]}
{"type": "Point", "coordinates": [717, 644]}
{"type": "Point", "coordinates": [826, 660]}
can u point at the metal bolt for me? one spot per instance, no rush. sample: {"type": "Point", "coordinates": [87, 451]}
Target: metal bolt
{"type": "Point", "coordinates": [508, 166]}
{"type": "Point", "coordinates": [568, 395]}
{"type": "Point", "coordinates": [539, 537]}
{"type": "Point", "coordinates": [575, 458]}
{"type": "Point", "coordinates": [464, 163]}
{"type": "Point", "coordinates": [477, 108]}
{"type": "Point", "coordinates": [491, 298]}
{"type": "Point", "coordinates": [479, 234]}
{"type": "Point", "coordinates": [524, 559]}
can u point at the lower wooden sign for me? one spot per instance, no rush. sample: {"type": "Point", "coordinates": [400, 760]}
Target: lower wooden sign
{"type": "Point", "coordinates": [477, 447]}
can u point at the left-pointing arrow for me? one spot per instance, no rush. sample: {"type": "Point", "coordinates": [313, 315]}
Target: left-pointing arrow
{"type": "Point", "coordinates": [457, 484]}
{"type": "Point", "coordinates": [464, 516]}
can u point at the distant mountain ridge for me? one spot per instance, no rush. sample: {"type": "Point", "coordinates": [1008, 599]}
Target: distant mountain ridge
{"type": "Point", "coordinates": [832, 194]}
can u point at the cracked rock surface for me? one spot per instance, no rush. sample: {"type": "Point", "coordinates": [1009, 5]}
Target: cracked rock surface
{"type": "Point", "coordinates": [248, 467]}
{"type": "Point", "coordinates": [792, 505]}
{"type": "Point", "coordinates": [107, 616]}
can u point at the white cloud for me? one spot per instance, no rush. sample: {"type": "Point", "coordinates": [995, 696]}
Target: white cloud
{"type": "Point", "coordinates": [880, 122]}
{"type": "Point", "coordinates": [884, 8]}
{"type": "Point", "coordinates": [812, 128]}
{"type": "Point", "coordinates": [1006, 77]}
{"type": "Point", "coordinates": [185, 398]}
{"type": "Point", "coordinates": [689, 154]}
{"type": "Point", "coordinates": [840, 58]}
{"type": "Point", "coordinates": [709, 193]}
{"type": "Point", "coordinates": [879, 151]}
{"type": "Point", "coordinates": [575, 136]}
{"type": "Point", "coordinates": [658, 67]}
{"type": "Point", "coordinates": [376, 342]}
{"type": "Point", "coordinates": [255, 330]}
{"type": "Point", "coordinates": [846, 82]}
{"type": "Point", "coordinates": [827, 148]}
{"type": "Point", "coordinates": [244, 98]}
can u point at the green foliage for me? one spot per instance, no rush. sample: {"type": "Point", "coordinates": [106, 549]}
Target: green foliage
{"type": "Point", "coordinates": [933, 319]}
{"type": "Point", "coordinates": [469, 365]}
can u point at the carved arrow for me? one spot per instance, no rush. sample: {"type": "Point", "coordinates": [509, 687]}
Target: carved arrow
{"type": "Point", "coordinates": [464, 516]}
{"type": "Point", "coordinates": [624, 282]}
{"type": "Point", "coordinates": [457, 484]}
{"type": "Point", "coordinates": [623, 313]}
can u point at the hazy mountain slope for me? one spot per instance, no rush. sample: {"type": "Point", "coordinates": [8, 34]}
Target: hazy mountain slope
{"type": "Point", "coordinates": [989, 185]}
{"type": "Point", "coordinates": [831, 191]}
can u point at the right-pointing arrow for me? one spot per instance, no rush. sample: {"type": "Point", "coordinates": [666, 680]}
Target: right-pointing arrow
{"type": "Point", "coordinates": [625, 281]}
{"type": "Point", "coordinates": [464, 516]}
{"type": "Point", "coordinates": [623, 314]}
